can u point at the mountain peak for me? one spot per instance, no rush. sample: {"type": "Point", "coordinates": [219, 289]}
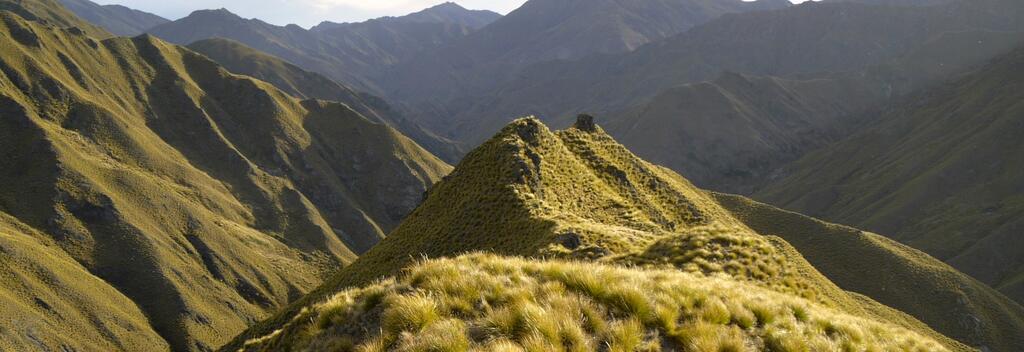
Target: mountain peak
{"type": "Point", "coordinates": [214, 13]}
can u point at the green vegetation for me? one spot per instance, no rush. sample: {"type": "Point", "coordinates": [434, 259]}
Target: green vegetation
{"type": "Point", "coordinates": [893, 274]}
{"type": "Point", "coordinates": [578, 195]}
{"type": "Point", "coordinates": [487, 303]}
{"type": "Point", "coordinates": [205, 199]}
{"type": "Point", "coordinates": [45, 294]}
{"type": "Point", "coordinates": [240, 59]}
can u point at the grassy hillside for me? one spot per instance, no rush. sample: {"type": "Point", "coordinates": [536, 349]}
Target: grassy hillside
{"type": "Point", "coordinates": [893, 274]}
{"type": "Point", "coordinates": [577, 194]}
{"type": "Point", "coordinates": [51, 12]}
{"type": "Point", "coordinates": [44, 294]}
{"type": "Point", "coordinates": [940, 172]}
{"type": "Point", "coordinates": [117, 19]}
{"type": "Point", "coordinates": [207, 199]}
{"type": "Point", "coordinates": [240, 59]}
{"type": "Point", "coordinates": [488, 303]}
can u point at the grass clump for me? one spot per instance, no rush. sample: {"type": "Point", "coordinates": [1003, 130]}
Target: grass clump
{"type": "Point", "coordinates": [535, 305]}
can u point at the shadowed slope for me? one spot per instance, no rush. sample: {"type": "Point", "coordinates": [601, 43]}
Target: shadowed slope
{"type": "Point", "coordinates": [241, 59]}
{"type": "Point", "coordinates": [578, 194]}
{"type": "Point", "coordinates": [206, 198]}
{"type": "Point", "coordinates": [347, 53]}
{"type": "Point", "coordinates": [44, 294]}
{"type": "Point", "coordinates": [117, 19]}
{"type": "Point", "coordinates": [810, 38]}
{"type": "Point", "coordinates": [940, 171]}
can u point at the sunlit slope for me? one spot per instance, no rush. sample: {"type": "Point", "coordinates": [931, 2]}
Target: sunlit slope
{"type": "Point", "coordinates": [578, 194]}
{"type": "Point", "coordinates": [52, 13]}
{"type": "Point", "coordinates": [45, 294]}
{"type": "Point", "coordinates": [206, 198]}
{"type": "Point", "coordinates": [894, 274]}
{"type": "Point", "coordinates": [941, 172]}
{"type": "Point", "coordinates": [488, 303]}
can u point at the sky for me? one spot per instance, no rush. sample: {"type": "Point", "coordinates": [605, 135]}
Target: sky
{"type": "Point", "coordinates": [306, 13]}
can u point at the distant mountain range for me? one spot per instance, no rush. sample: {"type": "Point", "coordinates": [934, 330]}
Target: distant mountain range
{"type": "Point", "coordinates": [117, 19]}
{"type": "Point", "coordinates": [347, 52]}
{"type": "Point", "coordinates": [448, 12]}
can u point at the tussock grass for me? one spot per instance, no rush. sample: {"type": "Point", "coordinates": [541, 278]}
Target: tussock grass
{"type": "Point", "coordinates": [520, 304]}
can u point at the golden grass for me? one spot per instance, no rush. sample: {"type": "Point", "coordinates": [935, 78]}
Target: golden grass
{"type": "Point", "coordinates": [483, 302]}
{"type": "Point", "coordinates": [579, 195]}
{"type": "Point", "coordinates": [208, 199]}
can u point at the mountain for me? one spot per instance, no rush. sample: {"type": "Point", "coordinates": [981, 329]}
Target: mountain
{"type": "Point", "coordinates": [737, 131]}
{"type": "Point", "coordinates": [577, 194]}
{"type": "Point", "coordinates": [811, 38]}
{"type": "Point", "coordinates": [672, 87]}
{"type": "Point", "coordinates": [291, 79]}
{"type": "Point", "coordinates": [117, 19]}
{"type": "Point", "coordinates": [50, 12]}
{"type": "Point", "coordinates": [731, 133]}
{"type": "Point", "coordinates": [44, 293]}
{"type": "Point", "coordinates": [544, 30]}
{"type": "Point", "coordinates": [168, 196]}
{"type": "Point", "coordinates": [347, 53]}
{"type": "Point", "coordinates": [939, 171]}
{"type": "Point", "coordinates": [448, 12]}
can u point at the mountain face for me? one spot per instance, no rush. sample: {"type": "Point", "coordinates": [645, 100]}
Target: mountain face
{"type": "Point", "coordinates": [344, 52]}
{"type": "Point", "coordinates": [737, 131]}
{"type": "Point", "coordinates": [577, 194]}
{"type": "Point", "coordinates": [731, 133]}
{"type": "Point", "coordinates": [291, 79]}
{"type": "Point", "coordinates": [193, 200]}
{"type": "Point", "coordinates": [544, 30]}
{"type": "Point", "coordinates": [45, 293]}
{"type": "Point", "coordinates": [801, 40]}
{"type": "Point", "coordinates": [117, 19]}
{"type": "Point", "coordinates": [448, 12]}
{"type": "Point", "coordinates": [939, 171]}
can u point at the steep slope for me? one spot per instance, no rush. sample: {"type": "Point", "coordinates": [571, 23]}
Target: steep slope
{"type": "Point", "coordinates": [940, 171]}
{"type": "Point", "coordinates": [448, 12]}
{"type": "Point", "coordinates": [894, 274]}
{"type": "Point", "coordinates": [117, 19]}
{"type": "Point", "coordinates": [811, 38]}
{"type": "Point", "coordinates": [347, 53]}
{"type": "Point", "coordinates": [44, 293]}
{"type": "Point", "coordinates": [53, 13]}
{"type": "Point", "coordinates": [207, 199]}
{"type": "Point", "coordinates": [578, 194]}
{"type": "Point", "coordinates": [543, 30]}
{"type": "Point", "coordinates": [731, 133]}
{"type": "Point", "coordinates": [240, 59]}
{"type": "Point", "coordinates": [740, 130]}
